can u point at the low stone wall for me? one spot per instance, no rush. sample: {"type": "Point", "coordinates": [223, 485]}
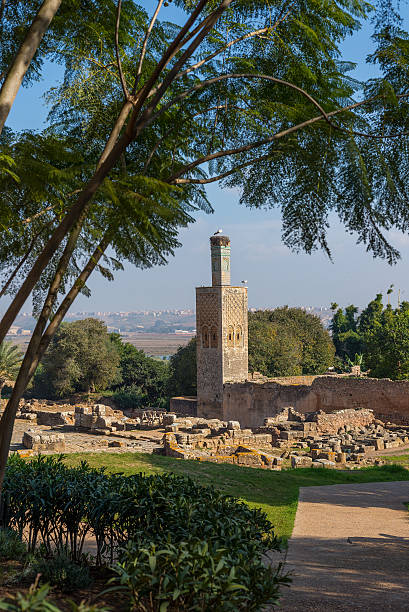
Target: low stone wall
{"type": "Point", "coordinates": [55, 418]}
{"type": "Point", "coordinates": [332, 422]}
{"type": "Point", "coordinates": [38, 441]}
{"type": "Point", "coordinates": [184, 406]}
{"type": "Point", "coordinates": [238, 455]}
{"type": "Point", "coordinates": [252, 402]}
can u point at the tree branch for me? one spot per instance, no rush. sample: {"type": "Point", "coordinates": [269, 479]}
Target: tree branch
{"type": "Point", "coordinates": [145, 45]}
{"type": "Point", "coordinates": [276, 136]}
{"type": "Point", "coordinates": [24, 56]}
{"type": "Point", "coordinates": [259, 32]}
{"type": "Point", "coordinates": [39, 214]}
{"type": "Point", "coordinates": [235, 75]}
{"type": "Point", "coordinates": [170, 52]}
{"type": "Point", "coordinates": [34, 354]}
{"type": "Point", "coordinates": [19, 265]}
{"type": "Point", "coordinates": [118, 58]}
{"type": "Point", "coordinates": [213, 179]}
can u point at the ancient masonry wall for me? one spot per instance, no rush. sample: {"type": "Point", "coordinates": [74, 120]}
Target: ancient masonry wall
{"type": "Point", "coordinates": [252, 402]}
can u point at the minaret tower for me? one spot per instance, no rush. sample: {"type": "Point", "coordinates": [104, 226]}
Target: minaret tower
{"type": "Point", "coordinates": [221, 323]}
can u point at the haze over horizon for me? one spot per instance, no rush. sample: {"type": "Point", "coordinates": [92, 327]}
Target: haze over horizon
{"type": "Point", "coordinates": [276, 276]}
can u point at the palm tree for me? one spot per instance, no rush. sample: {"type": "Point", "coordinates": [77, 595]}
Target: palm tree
{"type": "Point", "coordinates": [10, 361]}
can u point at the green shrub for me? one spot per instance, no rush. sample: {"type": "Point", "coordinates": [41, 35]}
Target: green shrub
{"type": "Point", "coordinates": [11, 545]}
{"type": "Point", "coordinates": [128, 398]}
{"type": "Point", "coordinates": [61, 572]}
{"type": "Point", "coordinates": [35, 600]}
{"type": "Point", "coordinates": [58, 506]}
{"type": "Point", "coordinates": [191, 576]}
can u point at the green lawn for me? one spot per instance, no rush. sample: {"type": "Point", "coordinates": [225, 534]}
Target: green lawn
{"type": "Point", "coordinates": [401, 459]}
{"type": "Point", "coordinates": [275, 492]}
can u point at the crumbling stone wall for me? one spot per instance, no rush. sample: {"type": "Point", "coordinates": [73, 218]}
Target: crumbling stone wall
{"type": "Point", "coordinates": [184, 406]}
{"type": "Point", "coordinates": [252, 402]}
{"type": "Point", "coordinates": [36, 441]}
{"type": "Point", "coordinates": [55, 418]}
{"type": "Point", "coordinates": [332, 422]}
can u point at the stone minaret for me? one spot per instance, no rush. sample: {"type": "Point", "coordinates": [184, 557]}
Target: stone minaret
{"type": "Point", "coordinates": [221, 322]}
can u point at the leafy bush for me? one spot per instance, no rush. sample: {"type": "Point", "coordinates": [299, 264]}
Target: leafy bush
{"type": "Point", "coordinates": [61, 572]}
{"type": "Point", "coordinates": [11, 545]}
{"type": "Point", "coordinates": [35, 600]}
{"type": "Point", "coordinates": [191, 576]}
{"type": "Point", "coordinates": [128, 398]}
{"type": "Point", "coordinates": [59, 506]}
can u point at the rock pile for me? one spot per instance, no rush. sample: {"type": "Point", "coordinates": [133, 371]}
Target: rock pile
{"type": "Point", "coordinates": [340, 437]}
{"type": "Point", "coordinates": [346, 437]}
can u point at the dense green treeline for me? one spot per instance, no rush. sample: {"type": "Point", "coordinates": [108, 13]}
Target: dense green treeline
{"type": "Point", "coordinates": [84, 357]}
{"type": "Point", "coordinates": [377, 338]}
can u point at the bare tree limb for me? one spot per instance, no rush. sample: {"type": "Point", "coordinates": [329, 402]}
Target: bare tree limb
{"type": "Point", "coordinates": [19, 265]}
{"type": "Point", "coordinates": [146, 117]}
{"type": "Point", "coordinates": [235, 75]}
{"type": "Point", "coordinates": [145, 45]}
{"type": "Point", "coordinates": [259, 32]}
{"type": "Point", "coordinates": [25, 54]}
{"type": "Point", "coordinates": [39, 214]}
{"type": "Point", "coordinates": [276, 136]}
{"type": "Point", "coordinates": [118, 57]}
{"type": "Point", "coordinates": [170, 52]}
{"type": "Point", "coordinates": [213, 179]}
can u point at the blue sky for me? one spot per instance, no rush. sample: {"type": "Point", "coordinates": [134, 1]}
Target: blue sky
{"type": "Point", "coordinates": [275, 275]}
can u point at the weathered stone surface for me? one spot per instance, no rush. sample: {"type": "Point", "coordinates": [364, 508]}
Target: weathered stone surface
{"type": "Point", "coordinates": [55, 418]}
{"type": "Point", "coordinates": [44, 442]}
{"type": "Point", "coordinates": [253, 401]}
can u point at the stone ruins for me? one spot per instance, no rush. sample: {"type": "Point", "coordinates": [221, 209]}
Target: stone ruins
{"type": "Point", "coordinates": [226, 390]}
{"type": "Point", "coordinates": [310, 421]}
{"type": "Point", "coordinates": [344, 439]}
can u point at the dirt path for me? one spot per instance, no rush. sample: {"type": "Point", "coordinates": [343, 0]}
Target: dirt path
{"type": "Point", "coordinates": [350, 549]}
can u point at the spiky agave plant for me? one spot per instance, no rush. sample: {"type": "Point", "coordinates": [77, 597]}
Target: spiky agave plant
{"type": "Point", "coordinates": [10, 361]}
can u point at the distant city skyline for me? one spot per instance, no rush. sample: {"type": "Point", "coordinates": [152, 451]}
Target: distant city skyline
{"type": "Point", "coordinates": [276, 276]}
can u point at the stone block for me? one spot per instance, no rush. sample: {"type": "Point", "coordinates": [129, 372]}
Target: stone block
{"type": "Point", "coordinates": [54, 419]}
{"type": "Point", "coordinates": [297, 462]}
{"type": "Point", "coordinates": [341, 458]}
{"type": "Point", "coordinates": [44, 442]}
{"type": "Point", "coordinates": [233, 425]}
{"type": "Point", "coordinates": [169, 418]}
{"type": "Point", "coordinates": [116, 444]}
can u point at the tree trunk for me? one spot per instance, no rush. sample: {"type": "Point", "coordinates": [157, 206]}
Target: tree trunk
{"type": "Point", "coordinates": [25, 54]}
{"type": "Point", "coordinates": [31, 361]}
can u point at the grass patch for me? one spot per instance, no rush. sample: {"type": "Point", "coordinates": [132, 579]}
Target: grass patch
{"type": "Point", "coordinates": [275, 492]}
{"type": "Point", "coordinates": [397, 459]}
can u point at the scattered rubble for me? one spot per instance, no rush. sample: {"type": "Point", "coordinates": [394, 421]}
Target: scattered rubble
{"type": "Point", "coordinates": [344, 438]}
